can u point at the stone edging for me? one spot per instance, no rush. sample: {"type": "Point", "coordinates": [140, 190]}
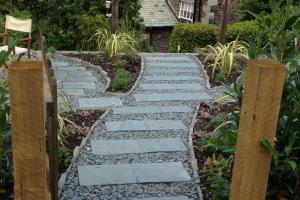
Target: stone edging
{"type": "Point", "coordinates": [62, 179]}
{"type": "Point", "coordinates": [194, 161]}
{"type": "Point", "coordinates": [104, 73]}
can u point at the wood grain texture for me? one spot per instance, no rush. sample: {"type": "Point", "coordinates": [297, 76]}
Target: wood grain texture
{"type": "Point", "coordinates": [28, 131]}
{"type": "Point", "coordinates": [258, 121]}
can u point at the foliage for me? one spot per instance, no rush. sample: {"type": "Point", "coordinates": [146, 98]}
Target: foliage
{"type": "Point", "coordinates": [243, 30]}
{"type": "Point", "coordinates": [52, 50]}
{"type": "Point", "coordinates": [189, 36]}
{"type": "Point", "coordinates": [121, 79]}
{"type": "Point", "coordinates": [224, 57]}
{"type": "Point", "coordinates": [198, 35]}
{"type": "Point", "coordinates": [119, 64]}
{"type": "Point", "coordinates": [255, 6]}
{"type": "Point", "coordinates": [284, 182]}
{"type": "Point", "coordinates": [113, 44]}
{"type": "Point", "coordinates": [4, 55]}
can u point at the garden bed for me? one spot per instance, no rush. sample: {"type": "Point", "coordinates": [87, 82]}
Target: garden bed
{"type": "Point", "coordinates": [207, 111]}
{"type": "Point", "coordinates": [233, 76]}
{"type": "Point", "coordinates": [84, 119]}
{"type": "Point", "coordinates": [132, 65]}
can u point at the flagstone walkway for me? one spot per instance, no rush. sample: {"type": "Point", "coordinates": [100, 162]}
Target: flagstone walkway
{"type": "Point", "coordinates": [139, 151]}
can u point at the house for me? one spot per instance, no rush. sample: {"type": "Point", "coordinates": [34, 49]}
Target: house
{"type": "Point", "coordinates": [160, 16]}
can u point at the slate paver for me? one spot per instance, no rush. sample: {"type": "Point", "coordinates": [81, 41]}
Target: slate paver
{"type": "Point", "coordinates": [173, 64]}
{"type": "Point", "coordinates": [144, 125]}
{"type": "Point", "coordinates": [176, 70]}
{"type": "Point", "coordinates": [61, 64]}
{"type": "Point", "coordinates": [150, 109]}
{"type": "Point", "coordinates": [165, 198]}
{"type": "Point", "coordinates": [170, 97]}
{"type": "Point", "coordinates": [76, 92]}
{"type": "Point", "coordinates": [167, 59]}
{"type": "Point", "coordinates": [67, 68]}
{"type": "Point", "coordinates": [79, 73]}
{"type": "Point", "coordinates": [132, 173]}
{"type": "Point", "coordinates": [81, 79]}
{"type": "Point", "coordinates": [109, 147]}
{"type": "Point", "coordinates": [101, 102]}
{"type": "Point", "coordinates": [173, 86]}
{"type": "Point", "coordinates": [172, 78]}
{"type": "Point", "coordinates": [73, 85]}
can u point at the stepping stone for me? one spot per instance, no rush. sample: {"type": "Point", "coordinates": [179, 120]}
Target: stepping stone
{"type": "Point", "coordinates": [132, 173]}
{"type": "Point", "coordinates": [101, 102]}
{"type": "Point", "coordinates": [173, 86]}
{"type": "Point", "coordinates": [176, 65]}
{"type": "Point", "coordinates": [146, 125]}
{"type": "Point", "coordinates": [151, 109]}
{"type": "Point", "coordinates": [77, 85]}
{"type": "Point", "coordinates": [81, 79]}
{"type": "Point", "coordinates": [70, 68]}
{"type": "Point", "coordinates": [109, 147]}
{"type": "Point", "coordinates": [170, 59]}
{"type": "Point", "coordinates": [80, 73]}
{"type": "Point", "coordinates": [175, 70]}
{"type": "Point", "coordinates": [60, 64]}
{"type": "Point", "coordinates": [170, 97]}
{"type": "Point", "coordinates": [172, 78]}
{"type": "Point", "coordinates": [165, 198]}
{"type": "Point", "coordinates": [75, 92]}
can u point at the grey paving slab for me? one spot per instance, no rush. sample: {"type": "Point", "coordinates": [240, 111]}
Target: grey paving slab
{"type": "Point", "coordinates": [101, 102]}
{"type": "Point", "coordinates": [165, 198]}
{"type": "Point", "coordinates": [59, 84]}
{"type": "Point", "coordinates": [173, 86]}
{"type": "Point", "coordinates": [81, 79]}
{"type": "Point", "coordinates": [172, 78]}
{"type": "Point", "coordinates": [176, 65]}
{"type": "Point", "coordinates": [70, 68]}
{"type": "Point", "coordinates": [170, 97]}
{"type": "Point", "coordinates": [76, 92]}
{"type": "Point", "coordinates": [144, 125]}
{"type": "Point", "coordinates": [60, 72]}
{"type": "Point", "coordinates": [175, 70]}
{"type": "Point", "coordinates": [74, 85]}
{"type": "Point", "coordinates": [132, 173]}
{"type": "Point", "coordinates": [151, 109]}
{"type": "Point", "coordinates": [170, 59]}
{"type": "Point", "coordinates": [60, 64]}
{"type": "Point", "coordinates": [80, 73]}
{"type": "Point", "coordinates": [109, 147]}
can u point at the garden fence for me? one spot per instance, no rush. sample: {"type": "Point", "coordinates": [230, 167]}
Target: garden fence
{"type": "Point", "coordinates": [33, 96]}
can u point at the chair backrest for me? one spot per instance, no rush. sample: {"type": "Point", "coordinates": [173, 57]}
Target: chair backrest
{"type": "Point", "coordinates": [22, 25]}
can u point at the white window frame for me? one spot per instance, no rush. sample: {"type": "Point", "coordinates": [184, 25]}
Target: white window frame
{"type": "Point", "coordinates": [186, 11]}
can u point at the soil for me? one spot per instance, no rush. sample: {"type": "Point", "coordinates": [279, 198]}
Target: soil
{"type": "Point", "coordinates": [207, 111]}
{"type": "Point", "coordinates": [241, 63]}
{"type": "Point", "coordinates": [132, 65]}
{"type": "Point", "coordinates": [84, 120]}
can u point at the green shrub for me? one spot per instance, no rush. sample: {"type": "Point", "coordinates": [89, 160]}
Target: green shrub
{"type": "Point", "coordinates": [120, 64]}
{"type": "Point", "coordinates": [190, 36]}
{"type": "Point", "coordinates": [121, 80]}
{"type": "Point", "coordinates": [244, 30]}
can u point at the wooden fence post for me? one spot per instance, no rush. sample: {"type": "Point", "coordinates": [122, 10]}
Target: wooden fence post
{"type": "Point", "coordinates": [258, 121]}
{"type": "Point", "coordinates": [28, 131]}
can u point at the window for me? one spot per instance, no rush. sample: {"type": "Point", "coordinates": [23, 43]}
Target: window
{"type": "Point", "coordinates": [186, 11]}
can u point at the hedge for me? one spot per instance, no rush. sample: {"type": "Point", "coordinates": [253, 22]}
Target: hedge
{"type": "Point", "coordinates": [190, 36]}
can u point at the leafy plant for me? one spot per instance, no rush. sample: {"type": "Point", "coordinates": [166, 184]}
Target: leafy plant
{"type": "Point", "coordinates": [121, 80]}
{"type": "Point", "coordinates": [225, 57]}
{"type": "Point", "coordinates": [119, 64]}
{"type": "Point", "coordinates": [52, 50]}
{"type": "Point", "coordinates": [113, 44]}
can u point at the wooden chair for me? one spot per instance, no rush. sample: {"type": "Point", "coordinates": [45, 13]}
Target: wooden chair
{"type": "Point", "coordinates": [19, 25]}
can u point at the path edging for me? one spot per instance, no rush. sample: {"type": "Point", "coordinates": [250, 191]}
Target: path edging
{"type": "Point", "coordinates": [194, 161]}
{"type": "Point", "coordinates": [62, 179]}
{"type": "Point", "coordinates": [99, 69]}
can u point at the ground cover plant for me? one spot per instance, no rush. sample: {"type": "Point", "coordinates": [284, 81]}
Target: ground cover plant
{"type": "Point", "coordinates": [216, 146]}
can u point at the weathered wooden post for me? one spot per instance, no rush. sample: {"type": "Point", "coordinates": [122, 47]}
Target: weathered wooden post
{"type": "Point", "coordinates": [115, 16]}
{"type": "Point", "coordinates": [224, 22]}
{"type": "Point", "coordinates": [258, 121]}
{"type": "Point", "coordinates": [30, 162]}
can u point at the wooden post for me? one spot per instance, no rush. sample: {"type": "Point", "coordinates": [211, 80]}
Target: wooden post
{"type": "Point", "coordinates": [224, 22]}
{"type": "Point", "coordinates": [28, 131]}
{"type": "Point", "coordinates": [115, 16]}
{"type": "Point", "coordinates": [258, 121]}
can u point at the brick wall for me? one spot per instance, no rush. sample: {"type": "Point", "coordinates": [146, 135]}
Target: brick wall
{"type": "Point", "coordinates": [159, 38]}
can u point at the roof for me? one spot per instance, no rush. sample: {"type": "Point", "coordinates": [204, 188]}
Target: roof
{"type": "Point", "coordinates": [157, 13]}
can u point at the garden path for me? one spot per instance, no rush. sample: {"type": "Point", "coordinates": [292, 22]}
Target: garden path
{"type": "Point", "coordinates": [139, 151]}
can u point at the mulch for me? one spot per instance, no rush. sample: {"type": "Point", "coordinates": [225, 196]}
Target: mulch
{"type": "Point", "coordinates": [84, 119]}
{"type": "Point", "coordinates": [207, 111]}
{"type": "Point", "coordinates": [233, 76]}
{"type": "Point", "coordinates": [132, 65]}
